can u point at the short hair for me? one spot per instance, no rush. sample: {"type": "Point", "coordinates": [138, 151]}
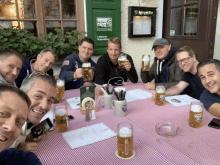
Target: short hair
{"type": "Point", "coordinates": [29, 81]}
{"type": "Point", "coordinates": [186, 49]}
{"type": "Point", "coordinates": [10, 52]}
{"type": "Point", "coordinates": [19, 92]}
{"type": "Point", "coordinates": [89, 40]}
{"type": "Point", "coordinates": [42, 53]}
{"type": "Point", "coordinates": [114, 40]}
{"type": "Point", "coordinates": [209, 61]}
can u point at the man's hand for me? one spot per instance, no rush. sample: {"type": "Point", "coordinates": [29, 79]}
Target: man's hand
{"type": "Point", "coordinates": [87, 84]}
{"type": "Point", "coordinates": [127, 65]}
{"type": "Point", "coordinates": [30, 137]}
{"type": "Point", "coordinates": [78, 73]}
{"type": "Point", "coordinates": [98, 91]}
{"type": "Point", "coordinates": [154, 95]}
{"type": "Point", "coordinates": [149, 86]}
{"type": "Point", "coordinates": [28, 146]}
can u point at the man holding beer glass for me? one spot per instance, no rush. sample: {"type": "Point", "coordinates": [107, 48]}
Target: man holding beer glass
{"type": "Point", "coordinates": [187, 61]}
{"type": "Point", "coordinates": [209, 73]}
{"type": "Point", "coordinates": [41, 90]}
{"type": "Point", "coordinates": [115, 64]}
{"type": "Point", "coordinates": [165, 69]}
{"type": "Point", "coordinates": [78, 68]}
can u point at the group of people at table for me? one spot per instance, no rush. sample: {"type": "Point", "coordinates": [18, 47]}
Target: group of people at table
{"type": "Point", "coordinates": [28, 88]}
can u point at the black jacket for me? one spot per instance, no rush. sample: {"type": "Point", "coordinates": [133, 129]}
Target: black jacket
{"type": "Point", "coordinates": [26, 67]}
{"type": "Point", "coordinates": [106, 70]}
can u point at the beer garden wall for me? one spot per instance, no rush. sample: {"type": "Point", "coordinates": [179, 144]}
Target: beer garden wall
{"type": "Point", "coordinates": [136, 47]}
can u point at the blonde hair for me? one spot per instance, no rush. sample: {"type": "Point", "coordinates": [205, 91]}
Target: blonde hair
{"type": "Point", "coordinates": [114, 40]}
{"type": "Point", "coordinates": [186, 49]}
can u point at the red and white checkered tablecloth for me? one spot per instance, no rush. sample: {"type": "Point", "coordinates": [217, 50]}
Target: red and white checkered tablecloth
{"type": "Point", "coordinates": [190, 146]}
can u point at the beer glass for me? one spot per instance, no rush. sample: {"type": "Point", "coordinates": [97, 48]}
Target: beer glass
{"type": "Point", "coordinates": [87, 71]}
{"type": "Point", "coordinates": [195, 114]}
{"type": "Point", "coordinates": [160, 95]}
{"type": "Point", "coordinates": [145, 65]}
{"type": "Point", "coordinates": [121, 60]}
{"type": "Point", "coordinates": [61, 118]}
{"type": "Point", "coordinates": [60, 91]}
{"type": "Point", "coordinates": [125, 140]}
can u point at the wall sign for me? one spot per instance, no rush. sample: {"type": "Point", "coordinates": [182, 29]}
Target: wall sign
{"type": "Point", "coordinates": [104, 24]}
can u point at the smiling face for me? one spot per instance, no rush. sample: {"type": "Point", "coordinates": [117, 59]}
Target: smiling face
{"type": "Point", "coordinates": [42, 96]}
{"type": "Point", "coordinates": [45, 62]}
{"type": "Point", "coordinates": [186, 63]}
{"type": "Point", "coordinates": [13, 114]}
{"type": "Point", "coordinates": [114, 51]}
{"type": "Point", "coordinates": [10, 68]}
{"type": "Point", "coordinates": [161, 51]}
{"type": "Point", "coordinates": [210, 78]}
{"type": "Point", "coordinates": [85, 51]}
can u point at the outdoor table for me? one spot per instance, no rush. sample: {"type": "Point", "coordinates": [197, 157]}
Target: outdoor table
{"type": "Point", "coordinates": [190, 146]}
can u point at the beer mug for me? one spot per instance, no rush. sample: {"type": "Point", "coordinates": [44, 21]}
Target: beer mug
{"type": "Point", "coordinates": [145, 65]}
{"type": "Point", "coordinates": [87, 71]}
{"type": "Point", "coordinates": [125, 140]}
{"type": "Point", "coordinates": [107, 100]}
{"type": "Point", "coordinates": [121, 60]}
{"type": "Point", "coordinates": [160, 95]}
{"type": "Point", "coordinates": [195, 114]}
{"type": "Point", "coordinates": [61, 118]}
{"type": "Point", "coordinates": [120, 107]}
{"type": "Point", "coordinates": [60, 91]}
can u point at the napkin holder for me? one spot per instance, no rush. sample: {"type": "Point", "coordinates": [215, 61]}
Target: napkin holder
{"type": "Point", "coordinates": [83, 110]}
{"type": "Point", "coordinates": [83, 105]}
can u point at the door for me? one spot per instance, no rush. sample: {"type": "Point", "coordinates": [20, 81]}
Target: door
{"type": "Point", "coordinates": [191, 23]}
{"type": "Point", "coordinates": [103, 22]}
{"type": "Point", "coordinates": [217, 36]}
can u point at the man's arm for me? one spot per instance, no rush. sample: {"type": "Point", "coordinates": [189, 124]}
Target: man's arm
{"type": "Point", "coordinates": [215, 109]}
{"type": "Point", "coordinates": [100, 71]}
{"type": "Point", "coordinates": [67, 70]}
{"type": "Point", "coordinates": [148, 76]}
{"type": "Point", "coordinates": [132, 74]}
{"type": "Point", "coordinates": [177, 89]}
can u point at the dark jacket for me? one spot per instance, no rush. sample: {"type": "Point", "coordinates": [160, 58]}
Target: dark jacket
{"type": "Point", "coordinates": [70, 64]}
{"type": "Point", "coordinates": [26, 67]}
{"type": "Point", "coordinates": [174, 73]}
{"type": "Point", "coordinates": [106, 70]}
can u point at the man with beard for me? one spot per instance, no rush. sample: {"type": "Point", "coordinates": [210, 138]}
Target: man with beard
{"type": "Point", "coordinates": [10, 66]}
{"type": "Point", "coordinates": [209, 73]}
{"type": "Point", "coordinates": [41, 90]}
{"type": "Point", "coordinates": [14, 105]}
{"type": "Point", "coordinates": [187, 61]}
{"type": "Point", "coordinates": [43, 63]}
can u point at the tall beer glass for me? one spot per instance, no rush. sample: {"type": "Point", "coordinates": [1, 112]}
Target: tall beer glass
{"type": "Point", "coordinates": [60, 91]}
{"type": "Point", "coordinates": [160, 95]}
{"type": "Point", "coordinates": [196, 114]}
{"type": "Point", "coordinates": [87, 71]}
{"type": "Point", "coordinates": [61, 118]}
{"type": "Point", "coordinates": [145, 65]}
{"type": "Point", "coordinates": [125, 140]}
{"type": "Point", "coordinates": [121, 60]}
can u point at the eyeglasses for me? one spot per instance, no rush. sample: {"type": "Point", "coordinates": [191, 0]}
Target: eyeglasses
{"type": "Point", "coordinates": [37, 72]}
{"type": "Point", "coordinates": [185, 60]}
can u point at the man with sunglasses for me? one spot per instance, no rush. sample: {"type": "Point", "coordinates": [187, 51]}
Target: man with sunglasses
{"type": "Point", "coordinates": [41, 90]}
{"type": "Point", "coordinates": [42, 63]}
{"type": "Point", "coordinates": [187, 61]}
{"type": "Point", "coordinates": [10, 66]}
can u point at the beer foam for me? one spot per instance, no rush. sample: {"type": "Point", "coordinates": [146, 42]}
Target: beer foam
{"type": "Point", "coordinates": [160, 90]}
{"type": "Point", "coordinates": [146, 58]}
{"type": "Point", "coordinates": [61, 112]}
{"type": "Point", "coordinates": [122, 58]}
{"type": "Point", "coordinates": [196, 108]}
{"type": "Point", "coordinates": [125, 132]}
{"type": "Point", "coordinates": [85, 65]}
{"type": "Point", "coordinates": [60, 83]}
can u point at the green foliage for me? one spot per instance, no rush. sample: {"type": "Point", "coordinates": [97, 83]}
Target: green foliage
{"type": "Point", "coordinates": [29, 45]}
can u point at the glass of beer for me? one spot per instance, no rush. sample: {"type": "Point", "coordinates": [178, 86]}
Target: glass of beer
{"type": "Point", "coordinates": [121, 60]}
{"type": "Point", "coordinates": [61, 118]}
{"type": "Point", "coordinates": [87, 71]}
{"type": "Point", "coordinates": [125, 140]}
{"type": "Point", "coordinates": [196, 114]}
{"type": "Point", "coordinates": [60, 91]}
{"type": "Point", "coordinates": [145, 66]}
{"type": "Point", "coordinates": [160, 95]}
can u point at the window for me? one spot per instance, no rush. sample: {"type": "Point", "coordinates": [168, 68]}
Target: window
{"type": "Point", "coordinates": [184, 18]}
{"type": "Point", "coordinates": [41, 16]}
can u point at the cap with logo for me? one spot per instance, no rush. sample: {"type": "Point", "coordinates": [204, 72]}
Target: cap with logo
{"type": "Point", "coordinates": [160, 42]}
